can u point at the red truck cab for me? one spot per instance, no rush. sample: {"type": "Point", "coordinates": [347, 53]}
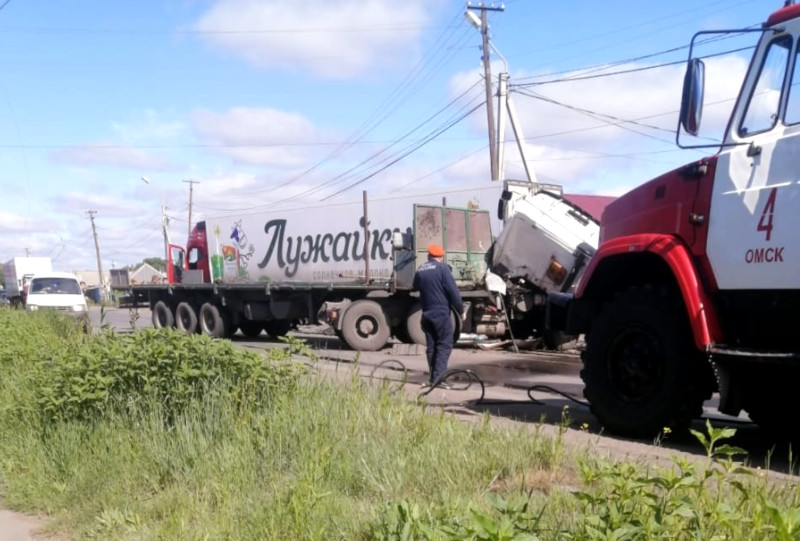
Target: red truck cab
{"type": "Point", "coordinates": [694, 287]}
{"type": "Point", "coordinates": [197, 251]}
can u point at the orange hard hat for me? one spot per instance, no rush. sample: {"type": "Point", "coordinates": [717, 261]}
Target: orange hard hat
{"type": "Point", "coordinates": [435, 250]}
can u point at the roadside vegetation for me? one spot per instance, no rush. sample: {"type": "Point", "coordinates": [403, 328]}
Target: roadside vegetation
{"type": "Point", "coordinates": [158, 435]}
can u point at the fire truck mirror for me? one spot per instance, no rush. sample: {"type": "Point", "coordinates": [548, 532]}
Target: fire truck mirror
{"type": "Point", "coordinates": [692, 101]}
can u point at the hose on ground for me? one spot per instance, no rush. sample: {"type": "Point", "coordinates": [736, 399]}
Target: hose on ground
{"type": "Point", "coordinates": [450, 380]}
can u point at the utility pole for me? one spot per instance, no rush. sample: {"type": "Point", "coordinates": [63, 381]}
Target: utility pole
{"type": "Point", "coordinates": [91, 214]}
{"type": "Point", "coordinates": [482, 24]}
{"type": "Point", "coordinates": [191, 185]}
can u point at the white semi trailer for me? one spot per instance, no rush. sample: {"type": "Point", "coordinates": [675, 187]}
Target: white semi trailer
{"type": "Point", "coordinates": [352, 263]}
{"type": "Point", "coordinates": [18, 272]}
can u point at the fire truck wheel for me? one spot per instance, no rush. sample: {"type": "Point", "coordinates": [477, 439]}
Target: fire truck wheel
{"type": "Point", "coordinates": [278, 327]}
{"type": "Point", "coordinates": [364, 326]}
{"type": "Point", "coordinates": [213, 321]}
{"type": "Point", "coordinates": [162, 316]}
{"type": "Point", "coordinates": [641, 370]}
{"type": "Point", "coordinates": [186, 318]}
{"type": "Point", "coordinates": [414, 325]}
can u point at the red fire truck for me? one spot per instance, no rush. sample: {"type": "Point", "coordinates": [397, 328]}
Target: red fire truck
{"type": "Point", "coordinates": [695, 286]}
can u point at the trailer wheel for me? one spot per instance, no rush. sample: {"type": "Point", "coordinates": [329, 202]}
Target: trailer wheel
{"type": "Point", "coordinates": [186, 318]}
{"type": "Point", "coordinates": [414, 325]}
{"type": "Point", "coordinates": [641, 370]}
{"type": "Point", "coordinates": [278, 327]}
{"type": "Point", "coordinates": [214, 321]}
{"type": "Point", "coordinates": [250, 328]}
{"type": "Point", "coordinates": [364, 326]}
{"type": "Point", "coordinates": [162, 316]}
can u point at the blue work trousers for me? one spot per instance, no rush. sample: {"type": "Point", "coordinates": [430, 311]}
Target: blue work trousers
{"type": "Point", "coordinates": [438, 330]}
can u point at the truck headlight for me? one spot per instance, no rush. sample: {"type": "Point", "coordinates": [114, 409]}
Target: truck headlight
{"type": "Point", "coordinates": [79, 308]}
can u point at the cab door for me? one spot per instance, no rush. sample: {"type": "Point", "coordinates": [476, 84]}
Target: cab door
{"type": "Point", "coordinates": [754, 225]}
{"type": "Point", "coordinates": [176, 264]}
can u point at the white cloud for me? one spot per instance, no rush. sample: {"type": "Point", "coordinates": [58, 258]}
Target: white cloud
{"type": "Point", "coordinates": [331, 39]}
{"type": "Point", "coordinates": [147, 125]}
{"type": "Point", "coordinates": [105, 205]}
{"type": "Point", "coordinates": [258, 136]}
{"type": "Point", "coordinates": [16, 223]}
{"type": "Point", "coordinates": [109, 154]}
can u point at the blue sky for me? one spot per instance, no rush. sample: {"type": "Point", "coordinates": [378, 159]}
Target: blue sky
{"type": "Point", "coordinates": [267, 103]}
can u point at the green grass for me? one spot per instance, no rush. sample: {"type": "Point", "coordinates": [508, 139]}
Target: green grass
{"type": "Point", "coordinates": [302, 457]}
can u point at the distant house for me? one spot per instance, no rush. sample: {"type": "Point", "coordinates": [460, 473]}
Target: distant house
{"type": "Point", "coordinates": [145, 274]}
{"type": "Point", "coordinates": [91, 277]}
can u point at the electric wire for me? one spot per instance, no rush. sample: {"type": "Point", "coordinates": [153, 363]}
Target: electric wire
{"type": "Point", "coordinates": [624, 72]}
{"type": "Point", "coordinates": [405, 155]}
{"type": "Point", "coordinates": [383, 111]}
{"type": "Point", "coordinates": [343, 176]}
{"type": "Point", "coordinates": [595, 37]}
{"type": "Point", "coordinates": [634, 38]}
{"type": "Point", "coordinates": [415, 145]}
{"type": "Point", "coordinates": [440, 169]}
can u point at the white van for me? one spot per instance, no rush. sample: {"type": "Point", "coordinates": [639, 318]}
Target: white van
{"type": "Point", "coordinates": [57, 291]}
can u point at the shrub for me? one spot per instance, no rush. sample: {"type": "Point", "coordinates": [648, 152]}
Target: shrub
{"type": "Point", "coordinates": [113, 372]}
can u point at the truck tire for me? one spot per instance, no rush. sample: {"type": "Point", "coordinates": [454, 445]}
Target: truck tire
{"type": "Point", "coordinates": [641, 370]}
{"type": "Point", "coordinates": [162, 316]}
{"type": "Point", "coordinates": [251, 329]}
{"type": "Point", "coordinates": [364, 326]}
{"type": "Point", "coordinates": [414, 326]}
{"type": "Point", "coordinates": [278, 327]}
{"type": "Point", "coordinates": [214, 321]}
{"type": "Point", "coordinates": [186, 318]}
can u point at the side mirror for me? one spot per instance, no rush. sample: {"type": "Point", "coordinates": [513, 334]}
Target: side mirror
{"type": "Point", "coordinates": [692, 100]}
{"type": "Point", "coordinates": [502, 205]}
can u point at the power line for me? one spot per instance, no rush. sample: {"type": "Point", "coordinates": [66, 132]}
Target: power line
{"type": "Point", "coordinates": [343, 176]}
{"type": "Point", "coordinates": [624, 72]}
{"type": "Point", "coordinates": [616, 121]}
{"type": "Point", "coordinates": [139, 31]}
{"type": "Point", "coordinates": [585, 73]}
{"type": "Point", "coordinates": [433, 136]}
{"type": "Point", "coordinates": [649, 33]}
{"type": "Point", "coordinates": [414, 145]}
{"type": "Point", "coordinates": [384, 110]}
{"type": "Point", "coordinates": [440, 169]}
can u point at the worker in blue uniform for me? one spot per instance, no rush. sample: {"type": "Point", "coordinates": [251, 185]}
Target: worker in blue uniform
{"type": "Point", "coordinates": [438, 295]}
